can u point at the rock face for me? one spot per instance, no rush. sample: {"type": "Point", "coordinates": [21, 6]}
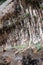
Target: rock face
{"type": "Point", "coordinates": [25, 58]}
{"type": "Point", "coordinates": [5, 61]}
{"type": "Point", "coordinates": [21, 24]}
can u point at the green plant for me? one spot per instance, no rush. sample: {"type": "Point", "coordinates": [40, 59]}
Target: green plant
{"type": "Point", "coordinates": [38, 46]}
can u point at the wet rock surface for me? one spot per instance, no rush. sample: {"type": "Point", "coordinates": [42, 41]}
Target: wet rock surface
{"type": "Point", "coordinates": [25, 58]}
{"type": "Point", "coordinates": [23, 25]}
